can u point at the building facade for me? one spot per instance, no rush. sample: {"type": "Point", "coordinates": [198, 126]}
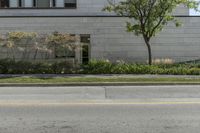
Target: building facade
{"type": "Point", "coordinates": [104, 32]}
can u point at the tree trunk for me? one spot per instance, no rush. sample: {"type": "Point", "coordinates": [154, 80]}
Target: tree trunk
{"type": "Point", "coordinates": [149, 51]}
{"type": "Point", "coordinates": [147, 42]}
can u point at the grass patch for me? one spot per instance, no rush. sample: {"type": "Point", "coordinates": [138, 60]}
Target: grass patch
{"type": "Point", "coordinates": [65, 80]}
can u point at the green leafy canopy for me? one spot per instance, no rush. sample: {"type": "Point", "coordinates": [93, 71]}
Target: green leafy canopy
{"type": "Point", "coordinates": [149, 16]}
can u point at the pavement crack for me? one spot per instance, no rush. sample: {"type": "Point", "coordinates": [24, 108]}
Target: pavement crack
{"type": "Point", "coordinates": [63, 127]}
{"type": "Point", "coordinates": [106, 95]}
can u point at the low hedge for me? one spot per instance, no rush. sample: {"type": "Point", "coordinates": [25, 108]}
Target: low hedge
{"type": "Point", "coordinates": [105, 67]}
{"type": "Point", "coordinates": [8, 66]}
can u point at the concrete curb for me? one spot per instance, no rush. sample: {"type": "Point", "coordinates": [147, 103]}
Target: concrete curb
{"type": "Point", "coordinates": [93, 84]}
{"type": "Point", "coordinates": [98, 76]}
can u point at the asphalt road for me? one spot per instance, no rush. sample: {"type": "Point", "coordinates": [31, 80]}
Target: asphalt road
{"type": "Point", "coordinates": [140, 109]}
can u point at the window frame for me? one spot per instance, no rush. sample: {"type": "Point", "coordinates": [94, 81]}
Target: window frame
{"type": "Point", "coordinates": [19, 3]}
{"type": "Point", "coordinates": [8, 2]}
{"type": "Point", "coordinates": [34, 4]}
{"type": "Point", "coordinates": [86, 44]}
{"type": "Point", "coordinates": [71, 3]}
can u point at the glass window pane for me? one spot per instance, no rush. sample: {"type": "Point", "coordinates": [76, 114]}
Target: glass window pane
{"type": "Point", "coordinates": [53, 3]}
{"type": "Point", "coordinates": [21, 3]}
{"type": "Point", "coordinates": [60, 3]}
{"type": "Point", "coordinates": [13, 3]}
{"type": "Point", "coordinates": [70, 3]}
{"type": "Point", "coordinates": [28, 3]}
{"type": "Point", "coordinates": [43, 3]}
{"type": "Point", "coordinates": [4, 3]}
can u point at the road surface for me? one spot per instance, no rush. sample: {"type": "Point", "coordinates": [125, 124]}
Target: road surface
{"type": "Point", "coordinates": [139, 109]}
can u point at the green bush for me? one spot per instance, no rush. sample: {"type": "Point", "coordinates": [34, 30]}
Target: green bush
{"type": "Point", "coordinates": [195, 71]}
{"type": "Point", "coordinates": [97, 67]}
{"type": "Point", "coordinates": [106, 67]}
{"type": "Point", "coordinates": [61, 68]}
{"type": "Point", "coordinates": [9, 66]}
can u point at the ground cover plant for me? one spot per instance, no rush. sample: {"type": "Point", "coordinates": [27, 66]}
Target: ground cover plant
{"type": "Point", "coordinates": [10, 66]}
{"type": "Point", "coordinates": [106, 67]}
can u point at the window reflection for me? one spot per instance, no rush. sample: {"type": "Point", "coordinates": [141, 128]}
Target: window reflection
{"type": "Point", "coordinates": [4, 3]}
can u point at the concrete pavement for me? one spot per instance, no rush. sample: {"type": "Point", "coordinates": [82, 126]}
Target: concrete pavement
{"type": "Point", "coordinates": [100, 119]}
{"type": "Point", "coordinates": [106, 109]}
{"type": "Point", "coordinates": [99, 93]}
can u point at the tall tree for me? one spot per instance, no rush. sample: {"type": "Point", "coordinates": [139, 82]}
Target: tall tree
{"type": "Point", "coordinates": [149, 16]}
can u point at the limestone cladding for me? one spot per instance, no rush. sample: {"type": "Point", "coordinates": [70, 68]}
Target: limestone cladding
{"type": "Point", "coordinates": [84, 8]}
{"type": "Point", "coordinates": [109, 39]}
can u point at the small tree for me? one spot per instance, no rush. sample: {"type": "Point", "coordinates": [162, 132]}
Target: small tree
{"type": "Point", "coordinates": [149, 16]}
{"type": "Point", "coordinates": [61, 43]}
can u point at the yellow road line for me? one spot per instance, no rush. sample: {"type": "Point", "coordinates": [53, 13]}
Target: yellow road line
{"type": "Point", "coordinates": [93, 103]}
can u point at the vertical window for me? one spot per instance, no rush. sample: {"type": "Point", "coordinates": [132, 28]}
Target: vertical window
{"type": "Point", "coordinates": [70, 3]}
{"type": "Point", "coordinates": [85, 41]}
{"type": "Point", "coordinates": [43, 3]}
{"type": "Point", "coordinates": [38, 3]}
{"type": "Point", "coordinates": [54, 3]}
{"type": "Point", "coordinates": [34, 3]}
{"type": "Point", "coordinates": [21, 3]}
{"type": "Point", "coordinates": [4, 3]}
